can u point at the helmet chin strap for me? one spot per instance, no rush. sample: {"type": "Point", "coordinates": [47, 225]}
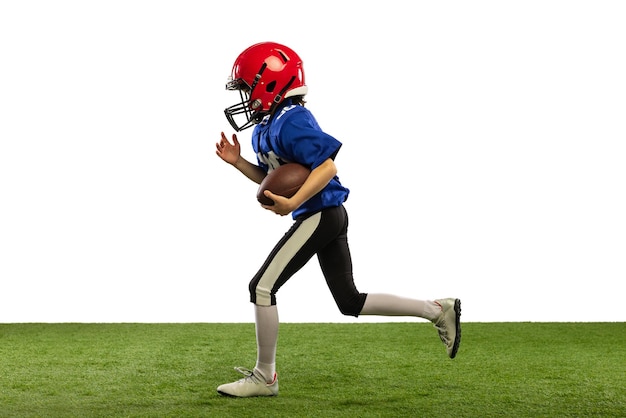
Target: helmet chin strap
{"type": "Point", "coordinates": [278, 98]}
{"type": "Point", "coordinates": [257, 117]}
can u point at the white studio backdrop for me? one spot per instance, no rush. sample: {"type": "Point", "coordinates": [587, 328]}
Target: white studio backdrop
{"type": "Point", "coordinates": [484, 146]}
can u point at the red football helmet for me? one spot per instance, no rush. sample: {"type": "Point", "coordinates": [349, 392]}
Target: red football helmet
{"type": "Point", "coordinates": [265, 74]}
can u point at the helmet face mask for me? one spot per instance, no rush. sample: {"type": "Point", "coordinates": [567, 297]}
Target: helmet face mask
{"type": "Point", "coordinates": [264, 74]}
{"type": "Point", "coordinates": [241, 110]}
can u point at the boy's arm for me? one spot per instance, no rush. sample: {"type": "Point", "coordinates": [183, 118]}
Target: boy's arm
{"type": "Point", "coordinates": [252, 171]}
{"type": "Point", "coordinates": [317, 180]}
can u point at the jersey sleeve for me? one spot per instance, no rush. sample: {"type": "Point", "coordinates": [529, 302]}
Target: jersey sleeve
{"type": "Point", "coordinates": [302, 139]}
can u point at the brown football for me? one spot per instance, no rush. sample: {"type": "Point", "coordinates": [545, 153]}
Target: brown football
{"type": "Point", "coordinates": [284, 180]}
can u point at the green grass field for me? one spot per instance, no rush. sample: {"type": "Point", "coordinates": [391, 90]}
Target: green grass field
{"type": "Point", "coordinates": [325, 370]}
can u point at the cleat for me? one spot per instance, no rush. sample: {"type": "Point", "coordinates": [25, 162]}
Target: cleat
{"type": "Point", "coordinates": [448, 324]}
{"type": "Point", "coordinates": [253, 384]}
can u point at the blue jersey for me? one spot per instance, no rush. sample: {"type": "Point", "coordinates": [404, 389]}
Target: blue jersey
{"type": "Point", "coordinates": [292, 135]}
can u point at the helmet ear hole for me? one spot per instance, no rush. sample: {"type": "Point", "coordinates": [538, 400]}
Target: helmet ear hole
{"type": "Point", "coordinates": [270, 86]}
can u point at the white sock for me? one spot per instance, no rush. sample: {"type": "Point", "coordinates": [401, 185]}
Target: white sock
{"type": "Point", "coordinates": [391, 305]}
{"type": "Point", "coordinates": [266, 340]}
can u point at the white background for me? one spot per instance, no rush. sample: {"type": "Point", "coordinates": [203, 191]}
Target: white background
{"type": "Point", "coordinates": [484, 146]}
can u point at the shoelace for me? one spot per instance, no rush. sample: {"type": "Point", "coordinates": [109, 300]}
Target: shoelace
{"type": "Point", "coordinates": [443, 334]}
{"type": "Point", "coordinates": [249, 374]}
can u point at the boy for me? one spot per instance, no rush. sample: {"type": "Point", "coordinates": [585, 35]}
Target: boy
{"type": "Point", "coordinates": [270, 80]}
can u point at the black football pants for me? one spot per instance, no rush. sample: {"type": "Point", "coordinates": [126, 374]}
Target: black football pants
{"type": "Point", "coordinates": [323, 233]}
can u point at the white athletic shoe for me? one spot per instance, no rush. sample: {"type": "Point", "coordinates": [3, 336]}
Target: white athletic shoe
{"type": "Point", "coordinates": [448, 324]}
{"type": "Point", "coordinates": [253, 384]}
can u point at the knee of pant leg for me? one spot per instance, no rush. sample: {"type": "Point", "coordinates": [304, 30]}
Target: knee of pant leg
{"type": "Point", "coordinates": [352, 306]}
{"type": "Point", "coordinates": [261, 296]}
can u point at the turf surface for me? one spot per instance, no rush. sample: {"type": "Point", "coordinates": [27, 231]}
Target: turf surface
{"type": "Point", "coordinates": [325, 370]}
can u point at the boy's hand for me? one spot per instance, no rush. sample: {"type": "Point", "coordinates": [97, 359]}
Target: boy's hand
{"type": "Point", "coordinates": [282, 205]}
{"type": "Point", "coordinates": [227, 151]}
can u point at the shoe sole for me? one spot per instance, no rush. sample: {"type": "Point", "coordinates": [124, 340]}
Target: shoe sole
{"type": "Point", "coordinates": [236, 396]}
{"type": "Point", "coordinates": [457, 338]}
